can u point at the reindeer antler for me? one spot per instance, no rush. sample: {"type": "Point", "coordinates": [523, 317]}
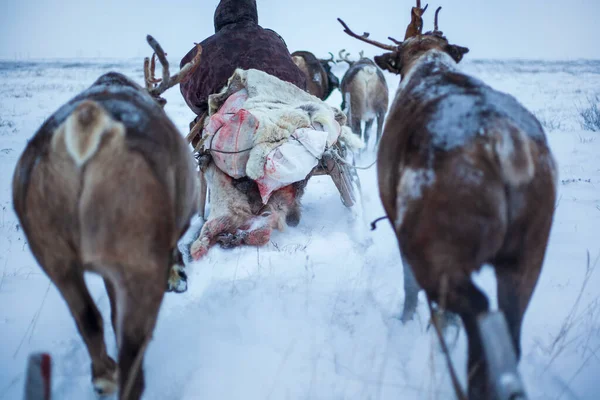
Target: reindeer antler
{"type": "Point", "coordinates": [419, 6]}
{"type": "Point", "coordinates": [365, 38]}
{"type": "Point", "coordinates": [344, 57]}
{"type": "Point", "coordinates": [149, 67]}
{"type": "Point", "coordinates": [167, 80]}
{"type": "Point", "coordinates": [331, 59]}
{"type": "Point", "coordinates": [147, 74]}
{"type": "Point", "coordinates": [416, 21]}
{"type": "Point", "coordinates": [435, 23]}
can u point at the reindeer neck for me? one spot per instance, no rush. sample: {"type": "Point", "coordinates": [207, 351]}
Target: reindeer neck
{"type": "Point", "coordinates": [434, 60]}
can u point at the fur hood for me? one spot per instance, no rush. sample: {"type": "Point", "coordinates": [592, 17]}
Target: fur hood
{"type": "Point", "coordinates": [235, 11]}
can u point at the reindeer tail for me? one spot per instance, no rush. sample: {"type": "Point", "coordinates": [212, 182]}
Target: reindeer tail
{"type": "Point", "coordinates": [84, 130]}
{"type": "Point", "coordinates": [513, 150]}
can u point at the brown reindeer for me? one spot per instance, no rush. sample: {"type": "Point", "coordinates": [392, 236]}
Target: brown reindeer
{"type": "Point", "coordinates": [364, 96]}
{"type": "Point", "coordinates": [320, 80]}
{"type": "Point", "coordinates": [108, 185]}
{"type": "Point", "coordinates": [466, 178]}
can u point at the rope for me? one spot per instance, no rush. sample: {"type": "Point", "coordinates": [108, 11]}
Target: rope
{"type": "Point", "coordinates": [229, 152]}
{"type": "Point", "coordinates": [211, 150]}
{"type": "Point", "coordinates": [212, 138]}
{"type": "Point", "coordinates": [374, 223]}
{"type": "Point", "coordinates": [340, 159]}
{"type": "Point", "coordinates": [455, 383]}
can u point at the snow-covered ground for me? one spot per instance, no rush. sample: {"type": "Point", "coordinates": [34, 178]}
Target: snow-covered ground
{"type": "Point", "coordinates": [312, 315]}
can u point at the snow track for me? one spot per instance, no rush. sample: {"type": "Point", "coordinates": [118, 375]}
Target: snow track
{"type": "Point", "coordinates": [314, 314]}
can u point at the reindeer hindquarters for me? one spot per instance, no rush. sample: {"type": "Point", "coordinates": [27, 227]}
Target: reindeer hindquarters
{"type": "Point", "coordinates": [127, 235]}
{"type": "Point", "coordinates": [49, 220]}
{"type": "Point", "coordinates": [450, 222]}
{"type": "Point", "coordinates": [126, 214]}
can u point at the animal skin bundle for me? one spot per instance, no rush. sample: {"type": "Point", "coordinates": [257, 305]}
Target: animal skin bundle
{"type": "Point", "coordinates": [270, 130]}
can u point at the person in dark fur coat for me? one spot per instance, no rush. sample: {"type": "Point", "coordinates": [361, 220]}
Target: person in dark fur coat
{"type": "Point", "coordinates": [238, 42]}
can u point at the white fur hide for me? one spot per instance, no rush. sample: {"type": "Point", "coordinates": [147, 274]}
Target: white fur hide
{"type": "Point", "coordinates": [281, 109]}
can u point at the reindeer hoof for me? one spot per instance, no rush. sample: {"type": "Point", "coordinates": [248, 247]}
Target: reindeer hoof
{"type": "Point", "coordinates": [105, 386]}
{"type": "Point", "coordinates": [177, 279]}
{"type": "Point", "coordinates": [258, 237]}
{"type": "Point", "coordinates": [228, 240]}
{"type": "Point", "coordinates": [105, 376]}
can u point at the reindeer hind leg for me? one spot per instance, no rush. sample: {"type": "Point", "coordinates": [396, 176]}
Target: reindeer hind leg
{"type": "Point", "coordinates": [518, 271]}
{"type": "Point", "coordinates": [515, 284]}
{"type": "Point", "coordinates": [110, 290]}
{"type": "Point", "coordinates": [411, 292]}
{"type": "Point", "coordinates": [465, 299]}
{"type": "Point", "coordinates": [137, 320]}
{"type": "Point", "coordinates": [447, 283]}
{"type": "Point", "coordinates": [367, 132]}
{"type": "Point", "coordinates": [355, 126]}
{"type": "Point", "coordinates": [380, 123]}
{"type": "Point", "coordinates": [91, 328]}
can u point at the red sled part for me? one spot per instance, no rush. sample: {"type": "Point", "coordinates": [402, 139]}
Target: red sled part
{"type": "Point", "coordinates": [38, 377]}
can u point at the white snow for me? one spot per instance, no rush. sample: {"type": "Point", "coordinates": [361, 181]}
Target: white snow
{"type": "Point", "coordinates": [314, 314]}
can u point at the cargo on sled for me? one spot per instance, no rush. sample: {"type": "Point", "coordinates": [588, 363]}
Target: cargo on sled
{"type": "Point", "coordinates": [261, 141]}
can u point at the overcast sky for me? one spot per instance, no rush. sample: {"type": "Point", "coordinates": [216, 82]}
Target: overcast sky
{"type": "Point", "coordinates": [532, 29]}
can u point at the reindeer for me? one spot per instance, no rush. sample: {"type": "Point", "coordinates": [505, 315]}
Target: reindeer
{"type": "Point", "coordinates": [364, 95]}
{"type": "Point", "coordinates": [334, 82]}
{"type": "Point", "coordinates": [466, 178]}
{"type": "Point", "coordinates": [108, 185]}
{"type": "Point", "coordinates": [320, 80]}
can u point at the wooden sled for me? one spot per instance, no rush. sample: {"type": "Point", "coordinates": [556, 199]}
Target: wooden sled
{"type": "Point", "coordinates": [335, 163]}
